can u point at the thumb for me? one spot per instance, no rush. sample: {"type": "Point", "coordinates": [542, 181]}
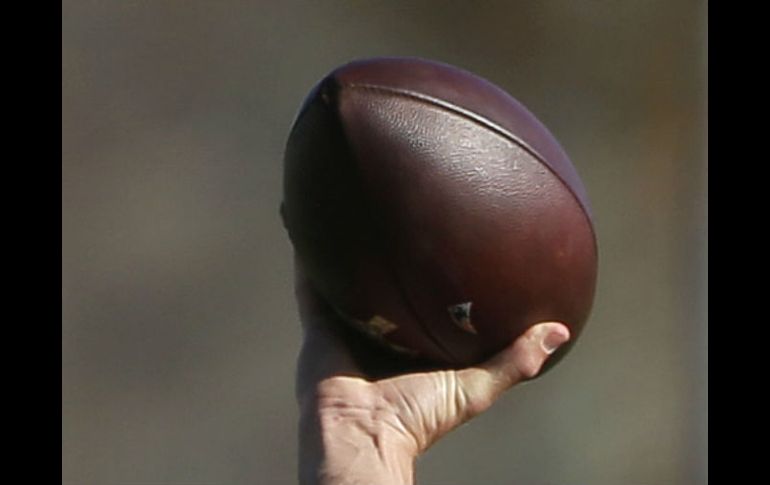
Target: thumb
{"type": "Point", "coordinates": [482, 385]}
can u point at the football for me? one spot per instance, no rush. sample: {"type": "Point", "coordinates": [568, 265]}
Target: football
{"type": "Point", "coordinates": [434, 212]}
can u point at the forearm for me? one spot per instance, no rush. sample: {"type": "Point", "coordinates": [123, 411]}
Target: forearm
{"type": "Point", "coordinates": [352, 448]}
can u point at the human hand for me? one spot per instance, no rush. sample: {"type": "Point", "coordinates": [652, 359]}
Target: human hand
{"type": "Point", "coordinates": [358, 427]}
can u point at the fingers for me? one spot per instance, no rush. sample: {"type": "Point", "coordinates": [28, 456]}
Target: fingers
{"type": "Point", "coordinates": [324, 354]}
{"type": "Point", "coordinates": [322, 357]}
{"type": "Point", "coordinates": [528, 353]}
{"type": "Point", "coordinates": [313, 309]}
{"type": "Point", "coordinates": [482, 385]}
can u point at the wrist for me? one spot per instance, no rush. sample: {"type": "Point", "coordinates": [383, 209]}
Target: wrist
{"type": "Point", "coordinates": [344, 443]}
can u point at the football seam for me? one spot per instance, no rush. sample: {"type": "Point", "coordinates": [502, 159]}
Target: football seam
{"type": "Point", "coordinates": [328, 91]}
{"type": "Point", "coordinates": [494, 127]}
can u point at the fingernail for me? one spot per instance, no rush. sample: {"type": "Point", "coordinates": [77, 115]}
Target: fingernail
{"type": "Point", "coordinates": [554, 339]}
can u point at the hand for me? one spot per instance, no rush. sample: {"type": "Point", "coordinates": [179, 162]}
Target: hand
{"type": "Point", "coordinates": [357, 429]}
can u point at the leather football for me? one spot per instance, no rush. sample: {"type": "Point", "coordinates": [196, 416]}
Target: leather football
{"type": "Point", "coordinates": [434, 212]}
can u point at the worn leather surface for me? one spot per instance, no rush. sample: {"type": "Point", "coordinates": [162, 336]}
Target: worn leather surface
{"type": "Point", "coordinates": [411, 187]}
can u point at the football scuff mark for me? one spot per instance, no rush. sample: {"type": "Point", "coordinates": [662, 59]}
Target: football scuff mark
{"type": "Point", "coordinates": [380, 325]}
{"type": "Point", "coordinates": [461, 316]}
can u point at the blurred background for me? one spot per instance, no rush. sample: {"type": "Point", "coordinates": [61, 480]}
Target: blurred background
{"type": "Point", "coordinates": [179, 329]}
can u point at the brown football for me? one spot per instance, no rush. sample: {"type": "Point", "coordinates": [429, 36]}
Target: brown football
{"type": "Point", "coordinates": [434, 212]}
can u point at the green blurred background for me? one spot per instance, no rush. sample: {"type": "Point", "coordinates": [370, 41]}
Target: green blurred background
{"type": "Point", "coordinates": [180, 332]}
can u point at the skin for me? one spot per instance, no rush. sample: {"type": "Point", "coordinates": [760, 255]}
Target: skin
{"type": "Point", "coordinates": [362, 425]}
